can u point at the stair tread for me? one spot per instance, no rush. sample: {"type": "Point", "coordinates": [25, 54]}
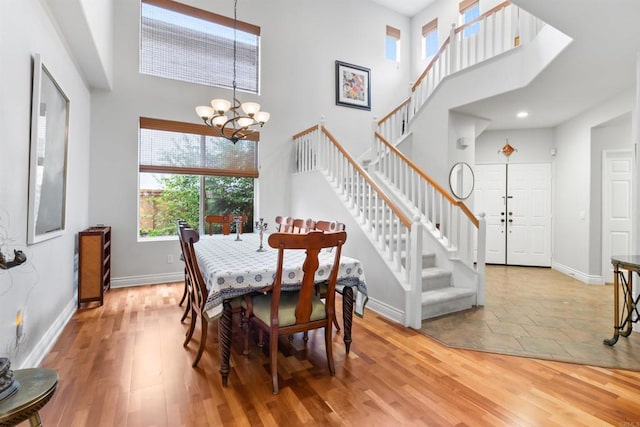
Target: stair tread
{"type": "Point", "coordinates": [446, 294]}
{"type": "Point", "coordinates": [431, 272]}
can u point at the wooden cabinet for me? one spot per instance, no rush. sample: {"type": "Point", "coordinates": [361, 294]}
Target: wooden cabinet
{"type": "Point", "coordinates": [94, 264]}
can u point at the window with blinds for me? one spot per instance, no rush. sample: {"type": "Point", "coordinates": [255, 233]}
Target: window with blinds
{"type": "Point", "coordinates": [469, 10]}
{"type": "Point", "coordinates": [185, 43]}
{"type": "Point", "coordinates": [392, 44]}
{"type": "Point", "coordinates": [430, 39]}
{"type": "Point", "coordinates": [168, 146]}
{"type": "Point", "coordinates": [187, 172]}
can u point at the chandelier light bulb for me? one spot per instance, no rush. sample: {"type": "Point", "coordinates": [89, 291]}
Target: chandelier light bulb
{"type": "Point", "coordinates": [219, 121]}
{"type": "Point", "coordinates": [221, 105]}
{"type": "Point", "coordinates": [244, 122]}
{"type": "Point", "coordinates": [262, 117]}
{"type": "Point", "coordinates": [205, 112]}
{"type": "Point", "coordinates": [250, 108]}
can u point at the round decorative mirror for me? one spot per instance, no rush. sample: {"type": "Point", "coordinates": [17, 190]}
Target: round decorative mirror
{"type": "Point", "coordinates": [461, 180]}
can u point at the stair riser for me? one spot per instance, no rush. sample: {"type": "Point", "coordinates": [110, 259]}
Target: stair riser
{"type": "Point", "coordinates": [438, 282]}
{"type": "Point", "coordinates": [445, 307]}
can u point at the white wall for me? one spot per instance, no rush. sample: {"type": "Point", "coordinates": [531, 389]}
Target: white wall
{"type": "Point", "coordinates": [43, 287]}
{"type": "Point", "coordinates": [300, 42]}
{"type": "Point", "coordinates": [533, 145]}
{"type": "Point", "coordinates": [575, 227]}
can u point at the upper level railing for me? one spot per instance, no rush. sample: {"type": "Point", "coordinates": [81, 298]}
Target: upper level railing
{"type": "Point", "coordinates": [450, 220]}
{"type": "Point", "coordinates": [317, 149]}
{"type": "Point", "coordinates": [502, 28]}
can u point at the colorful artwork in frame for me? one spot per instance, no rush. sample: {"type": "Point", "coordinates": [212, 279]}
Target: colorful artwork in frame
{"type": "Point", "coordinates": [353, 86]}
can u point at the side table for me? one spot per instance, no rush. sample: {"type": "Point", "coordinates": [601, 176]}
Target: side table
{"type": "Point", "coordinates": [37, 385]}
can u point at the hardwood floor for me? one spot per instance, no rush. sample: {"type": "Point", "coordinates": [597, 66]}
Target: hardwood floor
{"type": "Point", "coordinates": [123, 364]}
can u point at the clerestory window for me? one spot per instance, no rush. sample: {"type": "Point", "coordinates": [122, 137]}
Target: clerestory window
{"type": "Point", "coordinates": [185, 43]}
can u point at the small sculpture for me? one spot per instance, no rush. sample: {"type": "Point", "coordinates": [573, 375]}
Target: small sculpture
{"type": "Point", "coordinates": [8, 384]}
{"type": "Point", "coordinates": [262, 226]}
{"type": "Point", "coordinates": [18, 258]}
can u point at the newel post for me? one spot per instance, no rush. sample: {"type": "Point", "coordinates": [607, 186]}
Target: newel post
{"type": "Point", "coordinates": [321, 147]}
{"type": "Point", "coordinates": [453, 50]}
{"type": "Point", "coordinates": [413, 297]}
{"type": "Point", "coordinates": [481, 258]}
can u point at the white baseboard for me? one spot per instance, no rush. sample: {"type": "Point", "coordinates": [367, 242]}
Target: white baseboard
{"type": "Point", "coordinates": [385, 310]}
{"type": "Point", "coordinates": [583, 277]}
{"type": "Point", "coordinates": [50, 337]}
{"type": "Point", "coordinates": [151, 279]}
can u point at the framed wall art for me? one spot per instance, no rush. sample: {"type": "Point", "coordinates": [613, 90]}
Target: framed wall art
{"type": "Point", "coordinates": [48, 156]}
{"type": "Point", "coordinates": [353, 86]}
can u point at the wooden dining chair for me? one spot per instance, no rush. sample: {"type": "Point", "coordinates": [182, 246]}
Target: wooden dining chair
{"type": "Point", "coordinates": [185, 294]}
{"type": "Point", "coordinates": [198, 291]}
{"type": "Point", "coordinates": [223, 220]}
{"type": "Point", "coordinates": [283, 313]}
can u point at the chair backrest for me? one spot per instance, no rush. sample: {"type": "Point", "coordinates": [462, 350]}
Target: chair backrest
{"type": "Point", "coordinates": [190, 236]}
{"type": "Point", "coordinates": [224, 220]}
{"type": "Point", "coordinates": [330, 226]}
{"type": "Point", "coordinates": [283, 224]}
{"type": "Point", "coordinates": [313, 242]}
{"type": "Point", "coordinates": [302, 225]}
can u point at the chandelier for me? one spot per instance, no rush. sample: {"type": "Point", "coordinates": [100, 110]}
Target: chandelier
{"type": "Point", "coordinates": [225, 115]}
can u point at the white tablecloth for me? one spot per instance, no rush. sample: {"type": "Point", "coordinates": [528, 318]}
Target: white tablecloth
{"type": "Point", "coordinates": [232, 268]}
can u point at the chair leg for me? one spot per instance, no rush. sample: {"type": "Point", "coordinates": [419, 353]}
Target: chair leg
{"type": "Point", "coordinates": [328, 343]}
{"type": "Point", "coordinates": [192, 327]}
{"type": "Point", "coordinates": [187, 309]}
{"type": "Point", "coordinates": [273, 355]}
{"type": "Point", "coordinates": [184, 294]}
{"type": "Point", "coordinates": [335, 323]}
{"type": "Point", "coordinates": [203, 340]}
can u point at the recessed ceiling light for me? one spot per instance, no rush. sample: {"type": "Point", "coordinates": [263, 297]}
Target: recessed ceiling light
{"type": "Point", "coordinates": [522, 114]}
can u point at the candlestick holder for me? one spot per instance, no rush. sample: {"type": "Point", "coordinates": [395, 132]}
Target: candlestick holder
{"type": "Point", "coordinates": [237, 219]}
{"type": "Point", "coordinates": [262, 227]}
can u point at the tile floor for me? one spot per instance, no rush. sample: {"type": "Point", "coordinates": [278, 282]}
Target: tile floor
{"type": "Point", "coordinates": [541, 313]}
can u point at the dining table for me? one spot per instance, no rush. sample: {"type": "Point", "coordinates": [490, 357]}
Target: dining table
{"type": "Point", "coordinates": [240, 264]}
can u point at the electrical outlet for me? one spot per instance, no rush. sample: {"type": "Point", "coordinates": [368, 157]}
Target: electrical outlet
{"type": "Point", "coordinates": [169, 259]}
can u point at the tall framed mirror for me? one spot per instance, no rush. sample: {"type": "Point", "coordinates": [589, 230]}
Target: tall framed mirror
{"type": "Point", "coordinates": [48, 157]}
{"type": "Point", "coordinates": [461, 180]}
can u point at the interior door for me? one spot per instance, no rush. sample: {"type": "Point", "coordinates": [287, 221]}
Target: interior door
{"type": "Point", "coordinates": [516, 199]}
{"type": "Point", "coordinates": [490, 199]}
{"type": "Point", "coordinates": [616, 207]}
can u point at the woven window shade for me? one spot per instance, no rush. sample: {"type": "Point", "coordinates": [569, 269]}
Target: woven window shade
{"type": "Point", "coordinates": [427, 28]}
{"type": "Point", "coordinates": [188, 44]}
{"type": "Point", "coordinates": [467, 4]}
{"type": "Point", "coordinates": [184, 148]}
{"type": "Point", "coordinates": [393, 32]}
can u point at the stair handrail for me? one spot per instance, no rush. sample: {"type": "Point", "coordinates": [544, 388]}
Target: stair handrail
{"type": "Point", "coordinates": [318, 149]}
{"type": "Point", "coordinates": [430, 200]}
{"type": "Point", "coordinates": [448, 60]}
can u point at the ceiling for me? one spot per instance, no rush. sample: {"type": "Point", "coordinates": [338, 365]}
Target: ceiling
{"type": "Point", "coordinates": [405, 7]}
{"type": "Point", "coordinates": [599, 64]}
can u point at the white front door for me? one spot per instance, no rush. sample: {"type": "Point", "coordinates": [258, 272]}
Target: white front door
{"type": "Point", "coordinates": [616, 207]}
{"type": "Point", "coordinates": [490, 198]}
{"type": "Point", "coordinates": [529, 214]}
{"type": "Point", "coordinates": [517, 201]}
